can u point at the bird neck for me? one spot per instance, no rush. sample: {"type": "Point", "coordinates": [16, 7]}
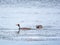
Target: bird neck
{"type": "Point", "coordinates": [19, 26]}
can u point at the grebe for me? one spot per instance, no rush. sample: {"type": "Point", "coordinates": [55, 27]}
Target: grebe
{"type": "Point", "coordinates": [25, 28]}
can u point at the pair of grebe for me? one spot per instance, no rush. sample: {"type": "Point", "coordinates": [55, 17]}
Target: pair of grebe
{"type": "Point", "coordinates": [25, 28]}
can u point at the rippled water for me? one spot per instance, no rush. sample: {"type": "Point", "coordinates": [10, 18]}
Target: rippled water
{"type": "Point", "coordinates": [29, 14]}
{"type": "Point", "coordinates": [30, 3]}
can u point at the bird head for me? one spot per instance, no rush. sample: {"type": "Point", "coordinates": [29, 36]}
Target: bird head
{"type": "Point", "coordinates": [18, 25]}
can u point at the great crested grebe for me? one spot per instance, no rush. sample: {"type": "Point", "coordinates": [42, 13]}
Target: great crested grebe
{"type": "Point", "coordinates": [25, 28]}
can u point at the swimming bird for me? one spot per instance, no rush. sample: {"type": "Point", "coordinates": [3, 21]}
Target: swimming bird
{"type": "Point", "coordinates": [26, 28]}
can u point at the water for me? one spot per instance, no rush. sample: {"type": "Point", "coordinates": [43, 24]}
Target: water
{"type": "Point", "coordinates": [30, 17]}
{"type": "Point", "coordinates": [29, 14]}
